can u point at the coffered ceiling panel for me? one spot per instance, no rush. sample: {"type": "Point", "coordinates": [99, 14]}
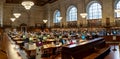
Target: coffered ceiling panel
{"type": "Point", "coordinates": [37, 2]}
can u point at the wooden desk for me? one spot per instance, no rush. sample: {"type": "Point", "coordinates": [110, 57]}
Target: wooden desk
{"type": "Point", "coordinates": [18, 39]}
{"type": "Point", "coordinates": [30, 52]}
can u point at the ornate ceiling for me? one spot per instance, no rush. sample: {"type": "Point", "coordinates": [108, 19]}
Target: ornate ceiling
{"type": "Point", "coordinates": [37, 2]}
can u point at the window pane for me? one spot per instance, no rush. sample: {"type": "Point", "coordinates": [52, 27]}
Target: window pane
{"type": "Point", "coordinates": [95, 11]}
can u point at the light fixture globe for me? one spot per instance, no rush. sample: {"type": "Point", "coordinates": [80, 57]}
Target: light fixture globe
{"type": "Point", "coordinates": [27, 4]}
{"type": "Point", "coordinates": [17, 15]}
{"type": "Point", "coordinates": [45, 21]}
{"type": "Point", "coordinates": [12, 19]}
{"type": "Point", "coordinates": [83, 15]}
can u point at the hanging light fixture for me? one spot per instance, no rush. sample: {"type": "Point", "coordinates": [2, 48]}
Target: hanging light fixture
{"type": "Point", "coordinates": [59, 18]}
{"type": "Point", "coordinates": [27, 4]}
{"type": "Point", "coordinates": [17, 15]}
{"type": "Point", "coordinates": [117, 11]}
{"type": "Point", "coordinates": [12, 19]}
{"type": "Point", "coordinates": [83, 15]}
{"type": "Point", "coordinates": [45, 21]}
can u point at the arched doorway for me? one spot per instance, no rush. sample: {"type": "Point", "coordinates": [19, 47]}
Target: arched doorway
{"type": "Point", "coordinates": [23, 27]}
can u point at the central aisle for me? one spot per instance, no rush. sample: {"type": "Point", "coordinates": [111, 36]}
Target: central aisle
{"type": "Point", "coordinates": [10, 48]}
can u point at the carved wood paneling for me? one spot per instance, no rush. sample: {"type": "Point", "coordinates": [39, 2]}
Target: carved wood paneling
{"type": "Point", "coordinates": [94, 23]}
{"type": "Point", "coordinates": [72, 24]}
{"type": "Point", "coordinates": [56, 25]}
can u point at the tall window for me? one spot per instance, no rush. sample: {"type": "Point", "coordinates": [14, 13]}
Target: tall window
{"type": "Point", "coordinates": [72, 13]}
{"type": "Point", "coordinates": [94, 11]}
{"type": "Point", "coordinates": [56, 15]}
{"type": "Point", "coordinates": [118, 7]}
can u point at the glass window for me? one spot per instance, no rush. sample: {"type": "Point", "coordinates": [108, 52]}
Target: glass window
{"type": "Point", "coordinates": [72, 13]}
{"type": "Point", "coordinates": [118, 7]}
{"type": "Point", "coordinates": [56, 15]}
{"type": "Point", "coordinates": [94, 11]}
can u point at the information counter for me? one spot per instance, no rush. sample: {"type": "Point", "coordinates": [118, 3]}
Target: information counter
{"type": "Point", "coordinates": [109, 38]}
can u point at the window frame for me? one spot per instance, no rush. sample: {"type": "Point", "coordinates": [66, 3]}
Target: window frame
{"type": "Point", "coordinates": [55, 20]}
{"type": "Point", "coordinates": [71, 17]}
{"type": "Point", "coordinates": [115, 7]}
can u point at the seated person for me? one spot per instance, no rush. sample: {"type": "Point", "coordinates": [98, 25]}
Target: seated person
{"type": "Point", "coordinates": [83, 37]}
{"type": "Point", "coordinates": [26, 40]}
{"type": "Point", "coordinates": [63, 41]}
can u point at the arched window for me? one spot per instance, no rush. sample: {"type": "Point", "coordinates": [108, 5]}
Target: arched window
{"type": "Point", "coordinates": [56, 15]}
{"type": "Point", "coordinates": [72, 13]}
{"type": "Point", "coordinates": [117, 7]}
{"type": "Point", "coordinates": [94, 10]}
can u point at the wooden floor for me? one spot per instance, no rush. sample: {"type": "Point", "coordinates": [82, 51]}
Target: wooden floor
{"type": "Point", "coordinates": [114, 54]}
{"type": "Point", "coordinates": [7, 51]}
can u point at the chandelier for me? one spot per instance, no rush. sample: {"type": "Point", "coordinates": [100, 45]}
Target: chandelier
{"type": "Point", "coordinates": [17, 15]}
{"type": "Point", "coordinates": [83, 15]}
{"type": "Point", "coordinates": [27, 4]}
{"type": "Point", "coordinates": [12, 19]}
{"type": "Point", "coordinates": [45, 21]}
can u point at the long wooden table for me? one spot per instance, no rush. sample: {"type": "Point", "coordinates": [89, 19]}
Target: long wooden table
{"type": "Point", "coordinates": [81, 50]}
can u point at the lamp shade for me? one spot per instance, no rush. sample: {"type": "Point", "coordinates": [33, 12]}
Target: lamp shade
{"type": "Point", "coordinates": [45, 21]}
{"type": "Point", "coordinates": [27, 4]}
{"type": "Point", "coordinates": [83, 15]}
{"type": "Point", "coordinates": [17, 15]}
{"type": "Point", "coordinates": [12, 19]}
